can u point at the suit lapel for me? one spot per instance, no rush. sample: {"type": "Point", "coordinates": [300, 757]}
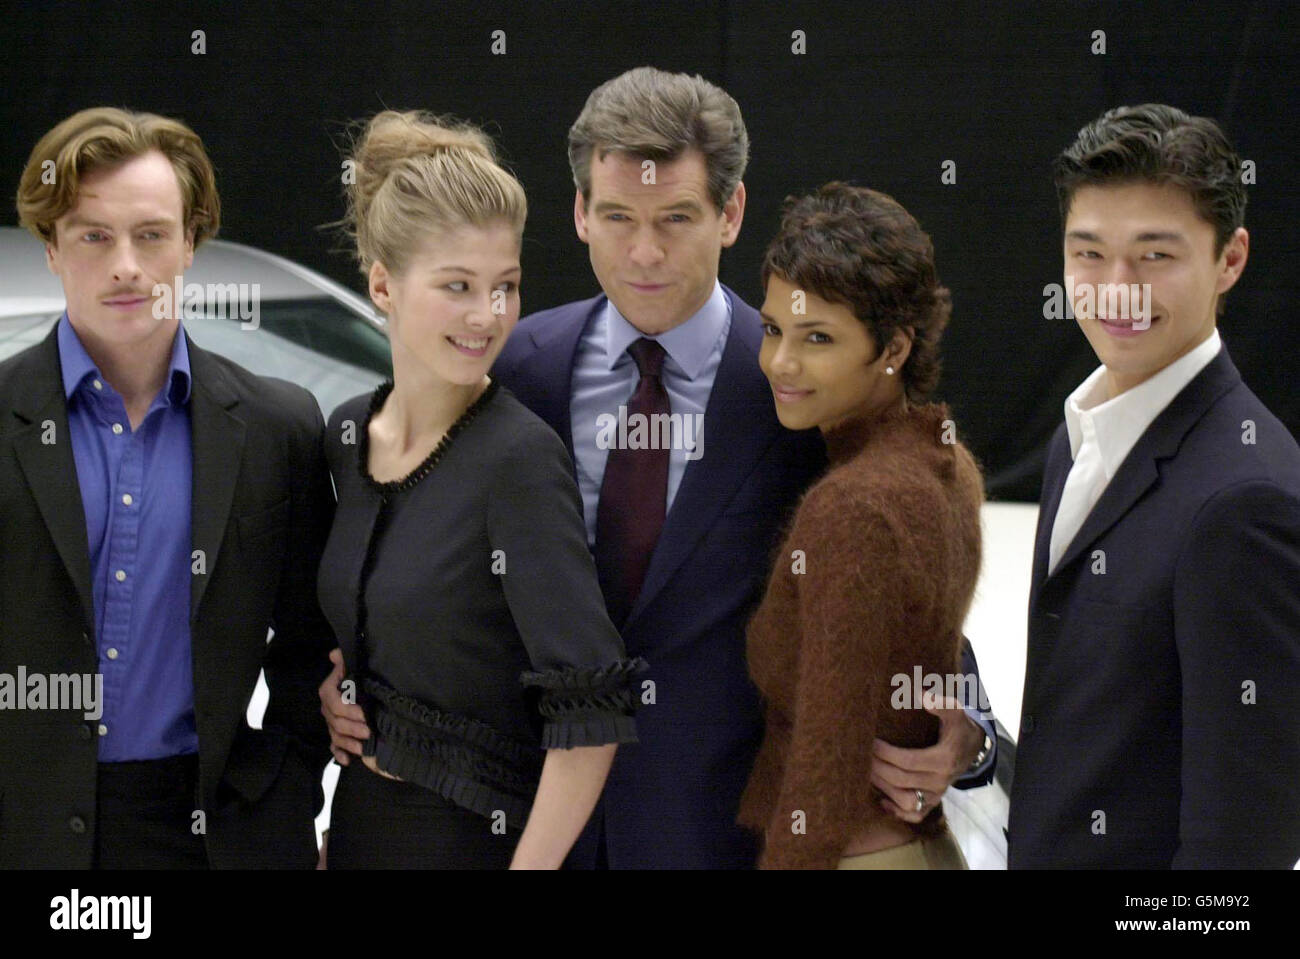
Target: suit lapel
{"type": "Point", "coordinates": [739, 425]}
{"type": "Point", "coordinates": [551, 370]}
{"type": "Point", "coordinates": [1139, 471]}
{"type": "Point", "coordinates": [51, 469]}
{"type": "Point", "coordinates": [218, 444]}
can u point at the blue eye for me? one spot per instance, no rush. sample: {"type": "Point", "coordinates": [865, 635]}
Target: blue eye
{"type": "Point", "coordinates": [458, 283]}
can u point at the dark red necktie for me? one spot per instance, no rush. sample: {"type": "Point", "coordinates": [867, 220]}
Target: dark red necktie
{"type": "Point", "coordinates": [634, 490]}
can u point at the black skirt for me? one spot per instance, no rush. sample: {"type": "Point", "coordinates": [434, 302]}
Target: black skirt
{"type": "Point", "coordinates": [380, 823]}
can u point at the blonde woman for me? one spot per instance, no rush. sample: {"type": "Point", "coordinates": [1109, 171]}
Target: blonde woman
{"type": "Point", "coordinates": [457, 575]}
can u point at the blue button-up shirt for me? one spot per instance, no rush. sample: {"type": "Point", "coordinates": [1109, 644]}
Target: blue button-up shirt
{"type": "Point", "coordinates": [135, 488]}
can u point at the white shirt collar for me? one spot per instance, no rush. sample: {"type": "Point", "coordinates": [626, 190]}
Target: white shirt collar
{"type": "Point", "coordinates": [1117, 424]}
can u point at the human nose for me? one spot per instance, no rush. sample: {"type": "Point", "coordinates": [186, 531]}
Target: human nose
{"type": "Point", "coordinates": [785, 359]}
{"type": "Point", "coordinates": [126, 265]}
{"type": "Point", "coordinates": [646, 250]}
{"type": "Point", "coordinates": [481, 312]}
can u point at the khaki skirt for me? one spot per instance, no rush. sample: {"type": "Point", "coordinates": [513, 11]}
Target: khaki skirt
{"type": "Point", "coordinates": [936, 852]}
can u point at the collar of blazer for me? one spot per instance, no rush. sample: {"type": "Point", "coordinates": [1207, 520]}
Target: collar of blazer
{"type": "Point", "coordinates": [46, 458]}
{"type": "Point", "coordinates": [1139, 470]}
{"type": "Point", "coordinates": [740, 425]}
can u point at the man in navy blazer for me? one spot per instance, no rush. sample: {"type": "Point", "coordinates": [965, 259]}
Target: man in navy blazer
{"type": "Point", "coordinates": [1158, 728]}
{"type": "Point", "coordinates": [658, 160]}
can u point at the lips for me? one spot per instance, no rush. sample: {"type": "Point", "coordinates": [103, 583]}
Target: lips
{"type": "Point", "coordinates": [1124, 329]}
{"type": "Point", "coordinates": [788, 394]}
{"type": "Point", "coordinates": [126, 301]}
{"type": "Point", "coordinates": [470, 346]}
{"type": "Point", "coordinates": [647, 287]}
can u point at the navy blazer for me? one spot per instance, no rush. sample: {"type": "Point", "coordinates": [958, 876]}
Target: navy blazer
{"type": "Point", "coordinates": [1162, 680]}
{"type": "Point", "coordinates": [671, 799]}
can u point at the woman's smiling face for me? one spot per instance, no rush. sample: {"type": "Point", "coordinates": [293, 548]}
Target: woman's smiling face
{"type": "Point", "coordinates": [822, 363]}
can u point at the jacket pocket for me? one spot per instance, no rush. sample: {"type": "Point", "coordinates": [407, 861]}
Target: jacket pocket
{"type": "Point", "coordinates": [255, 760]}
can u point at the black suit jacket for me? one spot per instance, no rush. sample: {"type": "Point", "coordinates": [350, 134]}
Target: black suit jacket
{"type": "Point", "coordinates": [261, 510]}
{"type": "Point", "coordinates": [1159, 722]}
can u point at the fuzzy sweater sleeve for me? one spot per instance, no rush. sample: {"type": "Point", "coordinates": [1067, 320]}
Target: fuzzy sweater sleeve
{"type": "Point", "coordinates": [849, 608]}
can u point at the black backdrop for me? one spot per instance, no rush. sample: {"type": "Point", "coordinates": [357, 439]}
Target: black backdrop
{"type": "Point", "coordinates": [885, 93]}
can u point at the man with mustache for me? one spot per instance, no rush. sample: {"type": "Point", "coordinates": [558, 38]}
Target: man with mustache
{"type": "Point", "coordinates": [162, 509]}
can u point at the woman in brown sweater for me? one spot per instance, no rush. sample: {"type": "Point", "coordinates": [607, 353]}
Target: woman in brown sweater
{"type": "Point", "coordinates": [878, 568]}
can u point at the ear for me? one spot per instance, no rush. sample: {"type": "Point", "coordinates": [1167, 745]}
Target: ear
{"type": "Point", "coordinates": [733, 214]}
{"type": "Point", "coordinates": [1232, 260]}
{"type": "Point", "coordinates": [580, 215]}
{"type": "Point", "coordinates": [51, 256]}
{"type": "Point", "coordinates": [189, 246]}
{"type": "Point", "coordinates": [379, 295]}
{"type": "Point", "coordinates": [899, 348]}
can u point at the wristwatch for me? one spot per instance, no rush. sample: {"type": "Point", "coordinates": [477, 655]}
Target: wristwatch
{"type": "Point", "coordinates": [981, 756]}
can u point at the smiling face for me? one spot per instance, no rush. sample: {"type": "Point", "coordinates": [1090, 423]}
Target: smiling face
{"type": "Point", "coordinates": [655, 246]}
{"type": "Point", "coordinates": [452, 307]}
{"type": "Point", "coordinates": [1138, 234]}
{"type": "Point", "coordinates": [124, 235]}
{"type": "Point", "coordinates": [822, 364]}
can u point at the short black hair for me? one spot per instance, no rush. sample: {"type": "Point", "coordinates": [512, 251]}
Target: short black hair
{"type": "Point", "coordinates": [1163, 145]}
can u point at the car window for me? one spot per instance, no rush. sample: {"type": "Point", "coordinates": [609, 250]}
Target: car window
{"type": "Point", "coordinates": [328, 327]}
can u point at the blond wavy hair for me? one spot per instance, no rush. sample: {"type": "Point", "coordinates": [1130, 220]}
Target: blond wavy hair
{"type": "Point", "coordinates": [101, 138]}
{"type": "Point", "coordinates": [417, 175]}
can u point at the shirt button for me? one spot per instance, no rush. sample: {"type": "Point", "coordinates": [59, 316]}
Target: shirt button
{"type": "Point", "coordinates": [126, 499]}
{"type": "Point", "coordinates": [120, 575]}
{"type": "Point", "coordinates": [77, 825]}
{"type": "Point", "coordinates": [103, 730]}
{"type": "Point", "coordinates": [112, 653]}
{"type": "Point", "coordinates": [84, 731]}
{"type": "Point", "coordinates": [117, 428]}
{"type": "Point", "coordinates": [97, 385]}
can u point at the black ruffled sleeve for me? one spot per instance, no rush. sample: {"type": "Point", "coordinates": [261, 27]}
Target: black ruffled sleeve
{"type": "Point", "coordinates": [581, 677]}
{"type": "Point", "coordinates": [582, 706]}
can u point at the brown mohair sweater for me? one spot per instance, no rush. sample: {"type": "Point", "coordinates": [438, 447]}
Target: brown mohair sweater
{"type": "Point", "coordinates": [890, 547]}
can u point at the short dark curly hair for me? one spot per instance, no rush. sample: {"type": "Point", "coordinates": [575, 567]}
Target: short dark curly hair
{"type": "Point", "coordinates": [855, 246]}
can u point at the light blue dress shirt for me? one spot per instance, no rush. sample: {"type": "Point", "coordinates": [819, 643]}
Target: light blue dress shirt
{"type": "Point", "coordinates": [605, 377]}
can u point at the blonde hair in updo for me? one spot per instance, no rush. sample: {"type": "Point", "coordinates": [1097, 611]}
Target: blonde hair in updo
{"type": "Point", "coordinates": [418, 176]}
